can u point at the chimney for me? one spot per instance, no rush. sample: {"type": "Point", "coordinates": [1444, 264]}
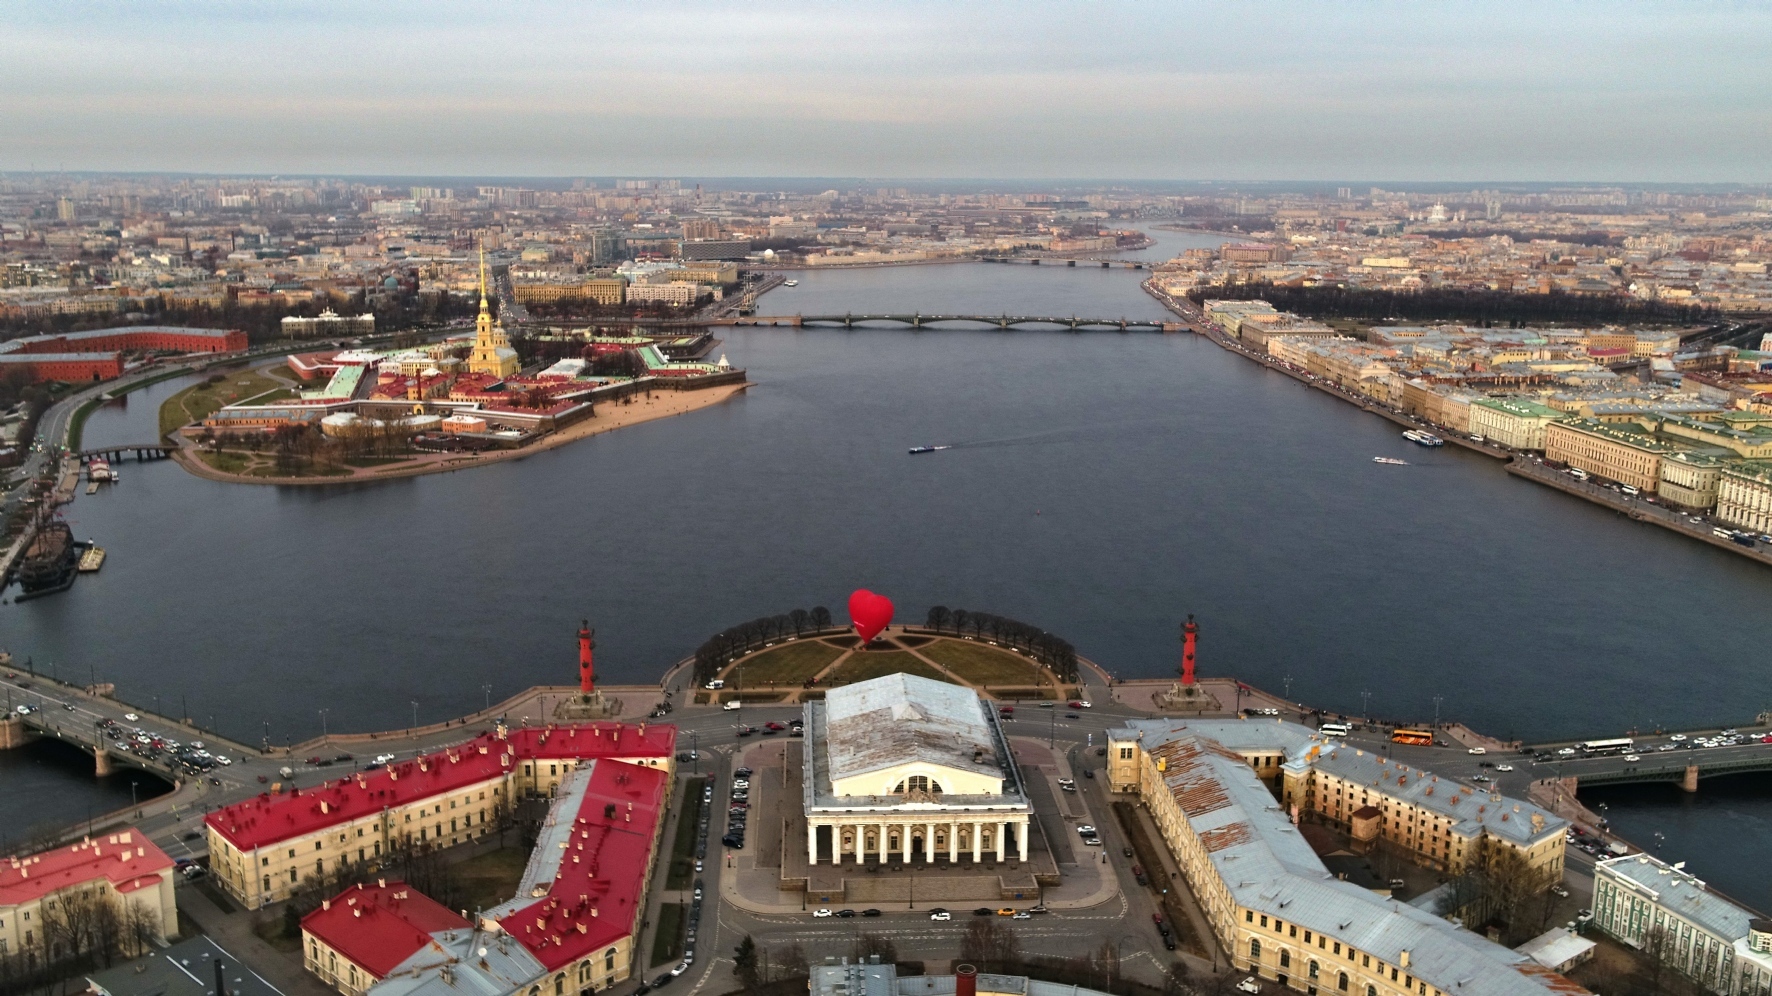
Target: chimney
{"type": "Point", "coordinates": [965, 980]}
{"type": "Point", "coordinates": [1404, 961]}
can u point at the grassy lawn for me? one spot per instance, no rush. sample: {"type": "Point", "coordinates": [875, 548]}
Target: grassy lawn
{"type": "Point", "coordinates": [227, 462]}
{"type": "Point", "coordinates": [861, 667]}
{"type": "Point", "coordinates": [491, 878]}
{"type": "Point", "coordinates": [667, 940]}
{"type": "Point", "coordinates": [201, 400]}
{"type": "Point", "coordinates": [983, 664]}
{"type": "Point", "coordinates": [789, 664]}
{"type": "Point", "coordinates": [77, 424]}
{"type": "Point", "coordinates": [682, 870]}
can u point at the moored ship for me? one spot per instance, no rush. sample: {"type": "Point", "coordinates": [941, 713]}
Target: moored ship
{"type": "Point", "coordinates": [50, 562]}
{"type": "Point", "coordinates": [1420, 438]}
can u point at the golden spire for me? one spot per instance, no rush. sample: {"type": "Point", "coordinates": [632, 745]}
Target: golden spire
{"type": "Point", "coordinates": [482, 275]}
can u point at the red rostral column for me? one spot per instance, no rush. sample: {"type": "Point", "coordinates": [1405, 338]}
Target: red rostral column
{"type": "Point", "coordinates": [1190, 631]}
{"type": "Point", "coordinates": [587, 678]}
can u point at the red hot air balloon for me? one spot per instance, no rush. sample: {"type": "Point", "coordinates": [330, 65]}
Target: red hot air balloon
{"type": "Point", "coordinates": [869, 613]}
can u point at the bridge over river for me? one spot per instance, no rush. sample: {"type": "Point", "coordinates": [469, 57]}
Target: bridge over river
{"type": "Point", "coordinates": [918, 320]}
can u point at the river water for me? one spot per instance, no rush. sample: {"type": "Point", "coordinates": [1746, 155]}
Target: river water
{"type": "Point", "coordinates": [1102, 486]}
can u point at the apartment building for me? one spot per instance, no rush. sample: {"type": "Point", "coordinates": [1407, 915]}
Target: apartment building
{"type": "Point", "coordinates": [1672, 915]}
{"type": "Point", "coordinates": [124, 868]}
{"type": "Point", "coordinates": [1269, 899]}
{"type": "Point", "coordinates": [261, 849]}
{"type": "Point", "coordinates": [1690, 479]}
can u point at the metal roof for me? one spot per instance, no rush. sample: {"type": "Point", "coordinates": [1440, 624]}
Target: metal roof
{"type": "Point", "coordinates": [1472, 810]}
{"type": "Point", "coordinates": [873, 725]}
{"type": "Point", "coordinates": [1268, 867]}
{"type": "Point", "coordinates": [1680, 893]}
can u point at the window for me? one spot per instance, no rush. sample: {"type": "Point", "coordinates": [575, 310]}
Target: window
{"type": "Point", "coordinates": [1285, 958]}
{"type": "Point", "coordinates": [1371, 990]}
{"type": "Point", "coordinates": [1125, 753]}
{"type": "Point", "coordinates": [609, 960]}
{"type": "Point", "coordinates": [560, 984]}
{"type": "Point", "coordinates": [1313, 970]}
{"type": "Point", "coordinates": [1248, 916]}
{"type": "Point", "coordinates": [1341, 983]}
{"type": "Point", "coordinates": [1254, 949]}
{"type": "Point", "coordinates": [1264, 921]}
{"type": "Point", "coordinates": [1365, 961]}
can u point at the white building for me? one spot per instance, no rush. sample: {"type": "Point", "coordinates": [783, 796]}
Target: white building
{"type": "Point", "coordinates": [1663, 909]}
{"type": "Point", "coordinates": [328, 323]}
{"type": "Point", "coordinates": [907, 767]}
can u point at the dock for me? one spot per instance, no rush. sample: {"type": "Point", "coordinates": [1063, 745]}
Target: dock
{"type": "Point", "coordinates": [92, 559]}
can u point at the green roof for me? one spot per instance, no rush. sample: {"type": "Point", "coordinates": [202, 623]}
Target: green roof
{"type": "Point", "coordinates": [1520, 408]}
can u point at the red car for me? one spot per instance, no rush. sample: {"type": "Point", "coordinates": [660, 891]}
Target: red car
{"type": "Point", "coordinates": [1075, 703]}
{"type": "Point", "coordinates": [778, 727]}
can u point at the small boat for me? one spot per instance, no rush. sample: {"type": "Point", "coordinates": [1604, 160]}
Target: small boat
{"type": "Point", "coordinates": [92, 559]}
{"type": "Point", "coordinates": [1393, 461]}
{"type": "Point", "coordinates": [98, 470]}
{"type": "Point", "coordinates": [790, 283]}
{"type": "Point", "coordinates": [929, 449]}
{"type": "Point", "coordinates": [1421, 438]}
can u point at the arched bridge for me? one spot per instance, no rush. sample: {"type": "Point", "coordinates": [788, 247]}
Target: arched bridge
{"type": "Point", "coordinates": [142, 451]}
{"type": "Point", "coordinates": [918, 320]}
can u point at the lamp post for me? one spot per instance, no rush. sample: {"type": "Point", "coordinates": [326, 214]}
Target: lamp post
{"type": "Point", "coordinates": [1110, 968]}
{"type": "Point", "coordinates": [415, 714]}
{"type": "Point", "coordinates": [1366, 705]}
{"type": "Point", "coordinates": [486, 690]}
{"type": "Point", "coordinates": [1437, 700]}
{"type": "Point", "coordinates": [323, 724]}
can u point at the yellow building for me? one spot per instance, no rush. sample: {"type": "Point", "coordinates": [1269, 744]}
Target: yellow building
{"type": "Point", "coordinates": [492, 348]}
{"type": "Point", "coordinates": [1271, 902]}
{"type": "Point", "coordinates": [1690, 479]}
{"type": "Point", "coordinates": [602, 290]}
{"type": "Point", "coordinates": [1512, 422]}
{"type": "Point", "coordinates": [45, 897]}
{"type": "Point", "coordinates": [1615, 451]}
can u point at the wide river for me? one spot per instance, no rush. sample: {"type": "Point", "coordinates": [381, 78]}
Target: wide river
{"type": "Point", "coordinates": [1102, 486]}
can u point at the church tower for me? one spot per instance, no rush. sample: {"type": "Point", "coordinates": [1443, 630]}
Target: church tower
{"type": "Point", "coordinates": [492, 348]}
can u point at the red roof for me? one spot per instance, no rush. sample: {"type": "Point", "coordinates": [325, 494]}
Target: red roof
{"type": "Point", "coordinates": [601, 873]}
{"type": "Point", "coordinates": [380, 926]}
{"type": "Point", "coordinates": [128, 860]}
{"type": "Point", "coordinates": [267, 819]}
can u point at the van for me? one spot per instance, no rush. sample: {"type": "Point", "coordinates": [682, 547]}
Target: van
{"type": "Point", "coordinates": [1627, 489]}
{"type": "Point", "coordinates": [734, 704]}
{"type": "Point", "coordinates": [1578, 473]}
{"type": "Point", "coordinates": [1721, 533]}
{"type": "Point", "coordinates": [716, 683]}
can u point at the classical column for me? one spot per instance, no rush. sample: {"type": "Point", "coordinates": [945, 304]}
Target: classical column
{"type": "Point", "coordinates": [975, 836]}
{"type": "Point", "coordinates": [1001, 833]}
{"type": "Point", "coordinates": [884, 844]}
{"type": "Point", "coordinates": [1021, 840]}
{"type": "Point", "coordinates": [812, 844]}
{"type": "Point", "coordinates": [953, 843]}
{"type": "Point", "coordinates": [907, 843]}
{"type": "Point", "coordinates": [929, 843]}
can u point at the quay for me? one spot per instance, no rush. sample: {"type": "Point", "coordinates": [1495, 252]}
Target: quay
{"type": "Point", "coordinates": [1518, 464]}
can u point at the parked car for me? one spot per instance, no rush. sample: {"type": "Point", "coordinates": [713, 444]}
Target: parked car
{"type": "Point", "coordinates": [941, 915]}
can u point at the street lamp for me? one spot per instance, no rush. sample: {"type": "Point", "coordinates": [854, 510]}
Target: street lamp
{"type": "Point", "coordinates": [1366, 705]}
{"type": "Point", "coordinates": [323, 723]}
{"type": "Point", "coordinates": [415, 714]}
{"type": "Point", "coordinates": [1437, 700]}
{"type": "Point", "coordinates": [486, 690]}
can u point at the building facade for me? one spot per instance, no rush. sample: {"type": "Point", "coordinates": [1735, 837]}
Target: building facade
{"type": "Point", "coordinates": [1612, 451]}
{"type": "Point", "coordinates": [122, 868]}
{"type": "Point", "coordinates": [1690, 479]}
{"type": "Point", "coordinates": [1744, 495]}
{"type": "Point", "coordinates": [906, 769]}
{"type": "Point", "coordinates": [1675, 918]}
{"type": "Point", "coordinates": [1512, 422]}
{"type": "Point", "coordinates": [261, 849]}
{"type": "Point", "coordinates": [1269, 899]}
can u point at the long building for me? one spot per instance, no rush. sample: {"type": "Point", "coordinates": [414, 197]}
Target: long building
{"type": "Point", "coordinates": [1274, 906]}
{"type": "Point", "coordinates": [97, 354]}
{"type": "Point", "coordinates": [570, 929]}
{"type": "Point", "coordinates": [262, 848]}
{"type": "Point", "coordinates": [1744, 495]}
{"type": "Point", "coordinates": [1615, 451]}
{"type": "Point", "coordinates": [1672, 915]}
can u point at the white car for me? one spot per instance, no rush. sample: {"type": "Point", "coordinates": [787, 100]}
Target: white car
{"type": "Point", "coordinates": [383, 758]}
{"type": "Point", "coordinates": [223, 760]}
{"type": "Point", "coordinates": [822, 913]}
{"type": "Point", "coordinates": [1249, 985]}
{"type": "Point", "coordinates": [943, 915]}
{"type": "Point", "coordinates": [1566, 752]}
{"type": "Point", "coordinates": [741, 783]}
{"type": "Point", "coordinates": [1632, 757]}
{"type": "Point", "coordinates": [132, 717]}
{"type": "Point", "coordinates": [1478, 750]}
{"type": "Point", "coordinates": [1504, 767]}
{"type": "Point", "coordinates": [716, 683]}
{"type": "Point", "coordinates": [1676, 738]}
{"type": "Point", "coordinates": [1085, 830]}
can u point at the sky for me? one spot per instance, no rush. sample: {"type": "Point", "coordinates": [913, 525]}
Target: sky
{"type": "Point", "coordinates": [1276, 90]}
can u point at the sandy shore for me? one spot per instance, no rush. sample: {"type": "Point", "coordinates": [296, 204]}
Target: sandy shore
{"type": "Point", "coordinates": [610, 416]}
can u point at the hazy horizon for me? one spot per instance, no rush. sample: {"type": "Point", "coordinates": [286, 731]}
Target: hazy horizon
{"type": "Point", "coordinates": [1484, 93]}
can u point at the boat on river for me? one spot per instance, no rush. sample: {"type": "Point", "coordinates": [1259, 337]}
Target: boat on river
{"type": "Point", "coordinates": [1393, 461]}
{"type": "Point", "coordinates": [1421, 438]}
{"type": "Point", "coordinates": [929, 449]}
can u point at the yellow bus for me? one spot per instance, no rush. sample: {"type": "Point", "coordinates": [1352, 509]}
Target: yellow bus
{"type": "Point", "coordinates": [1423, 738]}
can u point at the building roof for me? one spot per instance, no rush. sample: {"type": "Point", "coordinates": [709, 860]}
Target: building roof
{"type": "Point", "coordinates": [1681, 893]}
{"type": "Point", "coordinates": [128, 860]}
{"type": "Point", "coordinates": [268, 818]}
{"type": "Point", "coordinates": [1520, 408]}
{"type": "Point", "coordinates": [1556, 948]}
{"type": "Point", "coordinates": [187, 968]}
{"type": "Point", "coordinates": [1267, 866]}
{"type": "Point", "coordinates": [1472, 811]}
{"type": "Point", "coordinates": [876, 724]}
{"type": "Point", "coordinates": [380, 926]}
{"type": "Point", "coordinates": [587, 876]}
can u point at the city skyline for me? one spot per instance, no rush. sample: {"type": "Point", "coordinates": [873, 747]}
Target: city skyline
{"type": "Point", "coordinates": [1582, 93]}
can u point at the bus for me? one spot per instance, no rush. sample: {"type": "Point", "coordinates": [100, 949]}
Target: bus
{"type": "Point", "coordinates": [1335, 729]}
{"type": "Point", "coordinates": [1606, 746]}
{"type": "Point", "coordinates": [1421, 738]}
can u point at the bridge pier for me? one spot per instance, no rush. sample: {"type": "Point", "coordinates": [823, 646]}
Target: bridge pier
{"type": "Point", "coordinates": [101, 761]}
{"type": "Point", "coordinates": [1690, 782]}
{"type": "Point", "coordinates": [14, 733]}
